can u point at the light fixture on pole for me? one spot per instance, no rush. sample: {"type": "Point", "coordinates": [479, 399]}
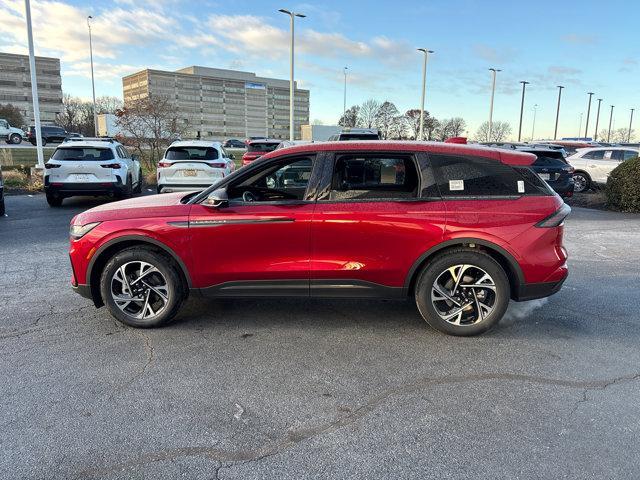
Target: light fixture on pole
{"type": "Point", "coordinates": [292, 16]}
{"type": "Point", "coordinates": [344, 107]}
{"type": "Point", "coordinates": [524, 86]}
{"type": "Point", "coordinates": [494, 72]}
{"type": "Point", "coordinates": [586, 125]}
{"type": "Point", "coordinates": [426, 53]}
{"type": "Point", "coordinates": [630, 122]}
{"type": "Point", "coordinates": [595, 134]}
{"type": "Point", "coordinates": [555, 132]}
{"type": "Point", "coordinates": [34, 85]}
{"type": "Point", "coordinates": [610, 120]}
{"type": "Point", "coordinates": [93, 85]}
{"type": "Point", "coordinates": [533, 128]}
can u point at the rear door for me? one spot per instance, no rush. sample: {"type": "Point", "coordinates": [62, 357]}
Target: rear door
{"type": "Point", "coordinates": [376, 215]}
{"type": "Point", "coordinates": [600, 163]}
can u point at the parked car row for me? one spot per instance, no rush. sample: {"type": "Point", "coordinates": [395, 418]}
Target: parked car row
{"type": "Point", "coordinates": [593, 165]}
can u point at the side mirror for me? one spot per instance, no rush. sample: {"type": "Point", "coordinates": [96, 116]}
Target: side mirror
{"type": "Point", "coordinates": [217, 199]}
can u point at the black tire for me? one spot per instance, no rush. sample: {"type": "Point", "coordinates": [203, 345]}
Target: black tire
{"type": "Point", "coordinates": [15, 139]}
{"type": "Point", "coordinates": [54, 200]}
{"type": "Point", "coordinates": [44, 142]}
{"type": "Point", "coordinates": [138, 187]}
{"type": "Point", "coordinates": [159, 189]}
{"type": "Point", "coordinates": [462, 256]}
{"type": "Point", "coordinates": [176, 290]}
{"type": "Point", "coordinates": [127, 191]}
{"type": "Point", "coordinates": [582, 182]}
{"type": "Point", "coordinates": [2, 209]}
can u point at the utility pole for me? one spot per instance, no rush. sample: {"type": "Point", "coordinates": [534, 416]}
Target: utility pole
{"type": "Point", "coordinates": [292, 15]}
{"type": "Point", "coordinates": [424, 89]}
{"type": "Point", "coordinates": [610, 120]}
{"type": "Point", "coordinates": [555, 132]}
{"type": "Point", "coordinates": [34, 85]}
{"type": "Point", "coordinates": [524, 85]}
{"type": "Point", "coordinates": [630, 122]}
{"type": "Point", "coordinates": [93, 84]}
{"type": "Point", "coordinates": [595, 135]}
{"type": "Point", "coordinates": [533, 129]}
{"type": "Point", "coordinates": [344, 108]}
{"type": "Point", "coordinates": [586, 127]}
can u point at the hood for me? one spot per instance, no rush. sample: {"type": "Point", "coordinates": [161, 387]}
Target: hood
{"type": "Point", "coordinates": [149, 206]}
{"type": "Point", "coordinates": [17, 130]}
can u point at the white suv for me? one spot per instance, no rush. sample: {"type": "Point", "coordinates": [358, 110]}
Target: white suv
{"type": "Point", "coordinates": [9, 133]}
{"type": "Point", "coordinates": [193, 165]}
{"type": "Point", "coordinates": [593, 165]}
{"type": "Point", "coordinates": [91, 166]}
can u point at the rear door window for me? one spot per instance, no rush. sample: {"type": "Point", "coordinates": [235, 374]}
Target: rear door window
{"type": "Point", "coordinates": [548, 159]}
{"type": "Point", "coordinates": [629, 154]}
{"type": "Point", "coordinates": [374, 176]}
{"type": "Point", "coordinates": [471, 177]}
{"type": "Point", "coordinates": [594, 155]}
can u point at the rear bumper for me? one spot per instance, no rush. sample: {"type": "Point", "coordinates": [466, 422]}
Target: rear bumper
{"type": "Point", "coordinates": [533, 291]}
{"type": "Point", "coordinates": [83, 291]}
{"type": "Point", "coordinates": [95, 188]}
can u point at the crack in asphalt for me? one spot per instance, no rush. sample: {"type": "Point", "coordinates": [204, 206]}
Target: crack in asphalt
{"type": "Point", "coordinates": [294, 437]}
{"type": "Point", "coordinates": [604, 386]}
{"type": "Point", "coordinates": [149, 350]}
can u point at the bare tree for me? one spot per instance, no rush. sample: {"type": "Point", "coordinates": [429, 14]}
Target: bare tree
{"type": "Point", "coordinates": [368, 111]}
{"type": "Point", "coordinates": [398, 129]}
{"type": "Point", "coordinates": [449, 127]}
{"type": "Point", "coordinates": [12, 114]}
{"type": "Point", "coordinates": [619, 135]}
{"type": "Point", "coordinates": [499, 132]}
{"type": "Point", "coordinates": [385, 118]}
{"type": "Point", "coordinates": [148, 126]}
{"type": "Point", "coordinates": [76, 115]}
{"type": "Point", "coordinates": [350, 117]}
{"type": "Point", "coordinates": [413, 121]}
{"type": "Point", "coordinates": [107, 104]}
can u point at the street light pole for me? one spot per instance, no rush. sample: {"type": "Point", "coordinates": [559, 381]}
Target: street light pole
{"type": "Point", "coordinates": [595, 134]}
{"type": "Point", "coordinates": [524, 85]}
{"type": "Point", "coordinates": [493, 91]}
{"type": "Point", "coordinates": [630, 122]}
{"type": "Point", "coordinates": [555, 132]}
{"type": "Point", "coordinates": [93, 85]}
{"type": "Point", "coordinates": [533, 129]}
{"type": "Point", "coordinates": [426, 53]}
{"type": "Point", "coordinates": [586, 127]}
{"type": "Point", "coordinates": [344, 108]}
{"type": "Point", "coordinates": [34, 85]}
{"type": "Point", "coordinates": [292, 15]}
{"type": "Point", "coordinates": [610, 120]}
{"type": "Point", "coordinates": [580, 125]}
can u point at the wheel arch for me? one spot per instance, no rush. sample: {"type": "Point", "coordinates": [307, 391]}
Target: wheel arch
{"type": "Point", "coordinates": [498, 253]}
{"type": "Point", "coordinates": [110, 248]}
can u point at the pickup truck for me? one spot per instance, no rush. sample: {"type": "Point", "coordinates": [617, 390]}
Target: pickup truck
{"type": "Point", "coordinates": [9, 133]}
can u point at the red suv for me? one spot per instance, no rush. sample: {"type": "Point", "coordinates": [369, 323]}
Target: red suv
{"type": "Point", "coordinates": [257, 148]}
{"type": "Point", "coordinates": [461, 229]}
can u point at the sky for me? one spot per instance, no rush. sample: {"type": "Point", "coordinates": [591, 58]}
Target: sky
{"type": "Point", "coordinates": [583, 45]}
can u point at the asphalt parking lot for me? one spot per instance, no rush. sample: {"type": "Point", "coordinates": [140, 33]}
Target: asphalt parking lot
{"type": "Point", "coordinates": [290, 389]}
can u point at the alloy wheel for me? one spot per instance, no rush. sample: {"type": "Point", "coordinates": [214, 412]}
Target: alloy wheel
{"type": "Point", "coordinates": [463, 295]}
{"type": "Point", "coordinates": [140, 290]}
{"type": "Point", "coordinates": [580, 183]}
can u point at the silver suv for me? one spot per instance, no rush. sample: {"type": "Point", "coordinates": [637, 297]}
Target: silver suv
{"type": "Point", "coordinates": [91, 166]}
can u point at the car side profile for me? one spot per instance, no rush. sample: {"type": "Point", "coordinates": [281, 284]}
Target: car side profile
{"type": "Point", "coordinates": [11, 135]}
{"type": "Point", "coordinates": [193, 164]}
{"type": "Point", "coordinates": [460, 229]}
{"type": "Point", "coordinates": [593, 165]}
{"type": "Point", "coordinates": [91, 166]}
{"type": "Point", "coordinates": [50, 134]}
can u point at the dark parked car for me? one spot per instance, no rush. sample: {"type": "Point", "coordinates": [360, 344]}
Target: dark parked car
{"type": "Point", "coordinates": [50, 134]}
{"type": "Point", "coordinates": [1, 194]}
{"type": "Point", "coordinates": [552, 167]}
{"type": "Point", "coordinates": [234, 143]}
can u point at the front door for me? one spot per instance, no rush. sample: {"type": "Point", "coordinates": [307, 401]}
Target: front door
{"type": "Point", "coordinates": [258, 244]}
{"type": "Point", "coordinates": [376, 216]}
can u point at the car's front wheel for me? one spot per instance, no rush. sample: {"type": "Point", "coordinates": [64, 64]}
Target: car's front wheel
{"type": "Point", "coordinates": [15, 139]}
{"type": "Point", "coordinates": [142, 287]}
{"type": "Point", "coordinates": [581, 181]}
{"type": "Point", "coordinates": [462, 292]}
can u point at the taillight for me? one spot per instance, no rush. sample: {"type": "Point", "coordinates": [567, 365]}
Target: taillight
{"type": "Point", "coordinates": [556, 219]}
{"type": "Point", "coordinates": [164, 164]}
{"type": "Point", "coordinates": [51, 165]}
{"type": "Point", "coordinates": [111, 165]}
{"type": "Point", "coordinates": [217, 165]}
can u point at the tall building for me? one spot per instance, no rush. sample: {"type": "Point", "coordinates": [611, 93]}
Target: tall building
{"type": "Point", "coordinates": [213, 103]}
{"type": "Point", "coordinates": [15, 86]}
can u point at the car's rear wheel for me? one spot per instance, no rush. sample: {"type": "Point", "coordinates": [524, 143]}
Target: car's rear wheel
{"type": "Point", "coordinates": [127, 191]}
{"type": "Point", "coordinates": [2, 208]}
{"type": "Point", "coordinates": [15, 139]}
{"type": "Point", "coordinates": [54, 200]}
{"type": "Point", "coordinates": [462, 292]}
{"type": "Point", "coordinates": [581, 182]}
{"type": "Point", "coordinates": [138, 188]}
{"type": "Point", "coordinates": [142, 287]}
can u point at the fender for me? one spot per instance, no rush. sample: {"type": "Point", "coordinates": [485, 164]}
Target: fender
{"type": "Point", "coordinates": [513, 264]}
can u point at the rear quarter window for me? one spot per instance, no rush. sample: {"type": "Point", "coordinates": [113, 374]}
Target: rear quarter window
{"type": "Point", "coordinates": [470, 176]}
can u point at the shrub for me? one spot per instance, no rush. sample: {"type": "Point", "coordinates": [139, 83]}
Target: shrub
{"type": "Point", "coordinates": [15, 179]}
{"type": "Point", "coordinates": [623, 186]}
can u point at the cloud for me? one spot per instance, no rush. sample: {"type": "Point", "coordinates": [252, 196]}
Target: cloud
{"type": "Point", "coordinates": [578, 39]}
{"type": "Point", "coordinates": [562, 70]}
{"type": "Point", "coordinates": [493, 55]}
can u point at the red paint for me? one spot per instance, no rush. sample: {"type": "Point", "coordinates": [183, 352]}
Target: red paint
{"type": "Point", "coordinates": [371, 241]}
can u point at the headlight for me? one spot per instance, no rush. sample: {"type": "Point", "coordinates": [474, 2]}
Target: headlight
{"type": "Point", "coordinates": [79, 231]}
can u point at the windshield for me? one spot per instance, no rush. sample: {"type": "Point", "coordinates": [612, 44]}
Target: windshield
{"type": "Point", "coordinates": [261, 147]}
{"type": "Point", "coordinates": [191, 153]}
{"type": "Point", "coordinates": [83, 153]}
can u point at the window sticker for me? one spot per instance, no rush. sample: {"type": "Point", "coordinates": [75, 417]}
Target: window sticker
{"type": "Point", "coordinates": [456, 185]}
{"type": "Point", "coordinates": [520, 186]}
{"type": "Point", "coordinates": [608, 154]}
